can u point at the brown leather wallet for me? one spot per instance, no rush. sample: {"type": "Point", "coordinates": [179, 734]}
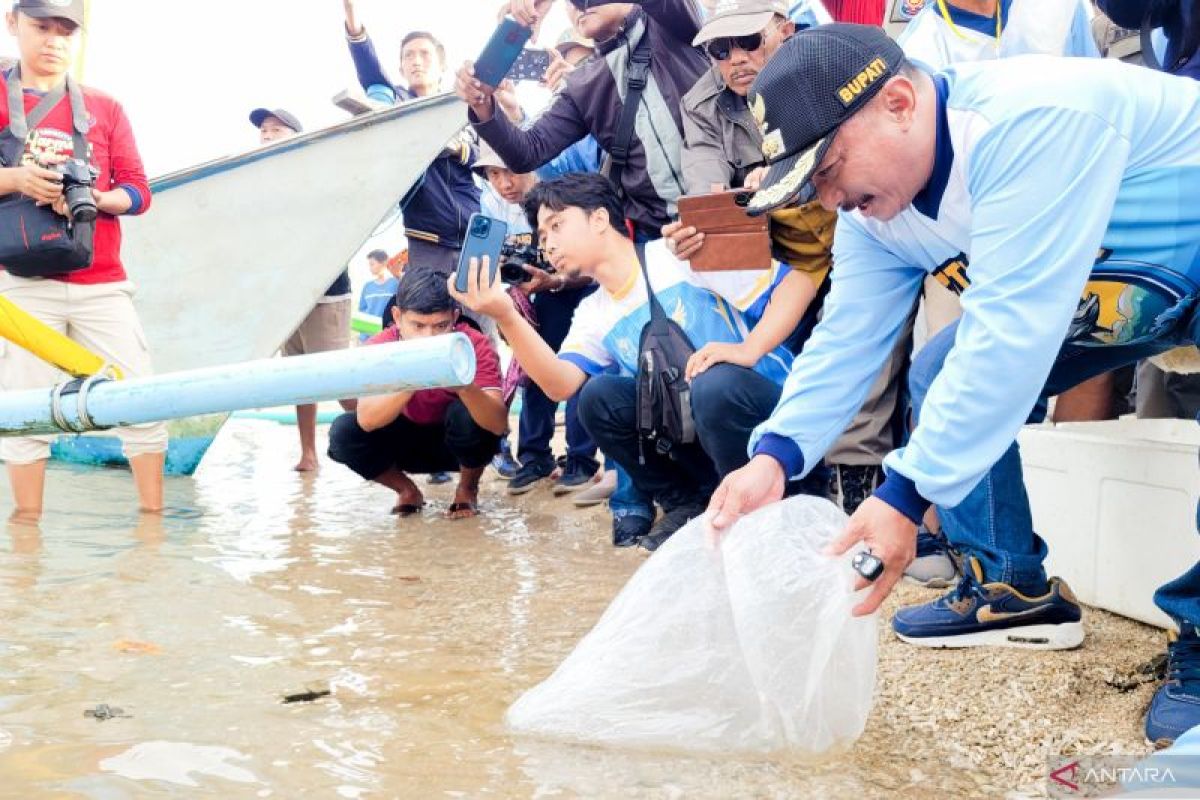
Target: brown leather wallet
{"type": "Point", "coordinates": [733, 239]}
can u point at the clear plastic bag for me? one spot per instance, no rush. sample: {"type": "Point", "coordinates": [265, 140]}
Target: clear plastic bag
{"type": "Point", "coordinates": [750, 646]}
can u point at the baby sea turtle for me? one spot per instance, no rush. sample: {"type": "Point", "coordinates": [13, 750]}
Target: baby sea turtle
{"type": "Point", "coordinates": [105, 711]}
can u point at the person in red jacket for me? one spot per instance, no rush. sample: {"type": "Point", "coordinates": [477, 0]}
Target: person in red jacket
{"type": "Point", "coordinates": [94, 305]}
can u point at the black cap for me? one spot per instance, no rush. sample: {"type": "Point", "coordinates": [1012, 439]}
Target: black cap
{"type": "Point", "coordinates": [816, 81]}
{"type": "Point", "coordinates": [71, 10]}
{"type": "Point", "coordinates": [259, 114]}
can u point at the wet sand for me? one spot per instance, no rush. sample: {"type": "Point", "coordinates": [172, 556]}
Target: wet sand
{"type": "Point", "coordinates": [261, 583]}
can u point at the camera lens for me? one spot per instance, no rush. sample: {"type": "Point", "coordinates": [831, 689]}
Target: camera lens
{"type": "Point", "coordinates": [481, 227]}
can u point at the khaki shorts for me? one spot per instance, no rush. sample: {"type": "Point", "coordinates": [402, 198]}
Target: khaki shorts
{"type": "Point", "coordinates": [100, 317]}
{"type": "Point", "coordinates": [327, 327]}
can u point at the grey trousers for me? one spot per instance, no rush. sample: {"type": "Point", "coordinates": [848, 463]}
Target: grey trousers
{"type": "Point", "coordinates": [872, 433]}
{"type": "Point", "coordinates": [1166, 395]}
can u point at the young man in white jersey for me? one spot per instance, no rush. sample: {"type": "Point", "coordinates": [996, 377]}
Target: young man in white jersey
{"type": "Point", "coordinates": [1056, 209]}
{"type": "Point", "coordinates": [581, 228]}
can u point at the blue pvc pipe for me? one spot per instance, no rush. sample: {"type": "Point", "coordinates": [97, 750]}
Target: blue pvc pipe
{"type": "Point", "coordinates": [434, 362]}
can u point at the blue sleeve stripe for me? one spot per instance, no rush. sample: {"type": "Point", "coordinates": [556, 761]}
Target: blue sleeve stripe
{"type": "Point", "coordinates": [135, 198]}
{"type": "Point", "coordinates": [901, 494]}
{"type": "Point", "coordinates": [783, 450]}
{"type": "Point", "coordinates": [586, 364]}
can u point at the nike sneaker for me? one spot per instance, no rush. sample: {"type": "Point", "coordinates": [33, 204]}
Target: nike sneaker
{"type": "Point", "coordinates": [977, 614]}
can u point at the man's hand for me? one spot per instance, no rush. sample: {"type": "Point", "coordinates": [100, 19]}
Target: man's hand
{"type": "Point", "coordinates": [683, 242]}
{"type": "Point", "coordinates": [484, 295]}
{"type": "Point", "coordinates": [759, 483]}
{"type": "Point", "coordinates": [717, 353]}
{"type": "Point", "coordinates": [754, 179]}
{"type": "Point", "coordinates": [506, 97]}
{"type": "Point", "coordinates": [528, 12]}
{"type": "Point", "coordinates": [557, 72]}
{"type": "Point", "coordinates": [43, 185]}
{"type": "Point", "coordinates": [541, 281]}
{"type": "Point", "coordinates": [892, 538]}
{"type": "Point", "coordinates": [353, 27]}
{"type": "Point", "coordinates": [475, 93]}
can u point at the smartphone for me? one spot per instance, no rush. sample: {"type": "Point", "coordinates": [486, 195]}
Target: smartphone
{"type": "Point", "coordinates": [485, 237]}
{"type": "Point", "coordinates": [501, 51]}
{"type": "Point", "coordinates": [531, 65]}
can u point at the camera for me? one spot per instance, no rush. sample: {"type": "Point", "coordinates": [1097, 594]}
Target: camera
{"type": "Point", "coordinates": [515, 255]}
{"type": "Point", "coordinates": [77, 182]}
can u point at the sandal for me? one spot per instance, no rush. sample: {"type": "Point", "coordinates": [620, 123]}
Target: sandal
{"type": "Point", "coordinates": [457, 507]}
{"type": "Point", "coordinates": [407, 509]}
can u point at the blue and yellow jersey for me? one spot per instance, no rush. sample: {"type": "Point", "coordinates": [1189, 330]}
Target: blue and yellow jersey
{"type": "Point", "coordinates": [710, 307]}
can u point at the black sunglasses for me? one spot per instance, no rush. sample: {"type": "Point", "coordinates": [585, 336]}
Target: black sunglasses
{"type": "Point", "coordinates": [721, 49]}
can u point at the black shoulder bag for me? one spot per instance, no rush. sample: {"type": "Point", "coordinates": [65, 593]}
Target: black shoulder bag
{"type": "Point", "coordinates": [636, 80]}
{"type": "Point", "coordinates": [35, 242]}
{"type": "Point", "coordinates": [664, 398]}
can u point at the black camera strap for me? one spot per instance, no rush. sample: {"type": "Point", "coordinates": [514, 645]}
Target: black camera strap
{"type": "Point", "coordinates": [19, 124]}
{"type": "Point", "coordinates": [635, 83]}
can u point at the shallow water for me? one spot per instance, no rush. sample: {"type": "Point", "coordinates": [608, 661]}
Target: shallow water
{"type": "Point", "coordinates": [261, 583]}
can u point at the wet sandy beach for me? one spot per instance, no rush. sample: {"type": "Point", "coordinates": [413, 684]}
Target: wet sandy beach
{"type": "Point", "coordinates": [260, 583]}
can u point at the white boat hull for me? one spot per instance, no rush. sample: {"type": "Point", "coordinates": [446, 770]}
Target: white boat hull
{"type": "Point", "coordinates": [234, 253]}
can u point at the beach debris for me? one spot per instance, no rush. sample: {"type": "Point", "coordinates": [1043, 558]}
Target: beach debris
{"type": "Point", "coordinates": [135, 647]}
{"type": "Point", "coordinates": [1151, 671]}
{"type": "Point", "coordinates": [311, 693]}
{"type": "Point", "coordinates": [104, 712]}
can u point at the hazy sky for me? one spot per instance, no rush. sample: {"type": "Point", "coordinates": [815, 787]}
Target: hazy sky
{"type": "Point", "coordinates": [188, 73]}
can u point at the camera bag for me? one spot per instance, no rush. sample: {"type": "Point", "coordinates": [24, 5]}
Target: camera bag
{"type": "Point", "coordinates": [36, 242]}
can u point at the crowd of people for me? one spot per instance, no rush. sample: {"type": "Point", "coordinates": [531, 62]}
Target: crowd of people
{"type": "Point", "coordinates": [964, 224]}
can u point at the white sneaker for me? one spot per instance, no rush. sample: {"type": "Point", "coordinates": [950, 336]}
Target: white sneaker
{"type": "Point", "coordinates": [598, 492]}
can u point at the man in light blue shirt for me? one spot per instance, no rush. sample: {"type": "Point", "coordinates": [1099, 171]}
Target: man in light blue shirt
{"type": "Point", "coordinates": [1057, 197]}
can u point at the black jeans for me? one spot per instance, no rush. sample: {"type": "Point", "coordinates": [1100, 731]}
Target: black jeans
{"type": "Point", "coordinates": [458, 441]}
{"type": "Point", "coordinates": [554, 313]}
{"type": "Point", "coordinates": [607, 408]}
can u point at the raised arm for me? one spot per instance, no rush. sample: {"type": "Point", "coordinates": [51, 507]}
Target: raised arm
{"type": "Point", "coordinates": [362, 50]}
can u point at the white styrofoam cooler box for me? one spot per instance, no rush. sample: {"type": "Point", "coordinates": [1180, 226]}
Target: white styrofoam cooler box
{"type": "Point", "coordinates": [1116, 502]}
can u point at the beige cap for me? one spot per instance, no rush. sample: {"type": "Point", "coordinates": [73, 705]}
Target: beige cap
{"type": "Point", "coordinates": [739, 18]}
{"type": "Point", "coordinates": [571, 38]}
{"type": "Point", "coordinates": [487, 158]}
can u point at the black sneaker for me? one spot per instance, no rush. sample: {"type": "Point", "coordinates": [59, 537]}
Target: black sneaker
{"type": "Point", "coordinates": [529, 475]}
{"type": "Point", "coordinates": [574, 477]}
{"type": "Point", "coordinates": [629, 529]}
{"type": "Point", "coordinates": [850, 486]}
{"type": "Point", "coordinates": [668, 523]}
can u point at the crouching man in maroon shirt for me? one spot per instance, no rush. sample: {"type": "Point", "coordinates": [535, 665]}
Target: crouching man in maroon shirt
{"type": "Point", "coordinates": [432, 430]}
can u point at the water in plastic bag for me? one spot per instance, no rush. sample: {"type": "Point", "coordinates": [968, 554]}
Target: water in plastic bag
{"type": "Point", "coordinates": [749, 646]}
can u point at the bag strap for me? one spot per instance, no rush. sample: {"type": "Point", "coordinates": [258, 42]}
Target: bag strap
{"type": "Point", "coordinates": [656, 309]}
{"type": "Point", "coordinates": [19, 124]}
{"type": "Point", "coordinates": [635, 84]}
{"type": "Point", "coordinates": [1149, 57]}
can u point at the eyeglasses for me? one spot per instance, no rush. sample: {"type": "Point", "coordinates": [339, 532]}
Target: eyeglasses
{"type": "Point", "coordinates": [721, 49]}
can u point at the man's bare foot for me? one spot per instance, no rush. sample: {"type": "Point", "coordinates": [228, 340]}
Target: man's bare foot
{"type": "Point", "coordinates": [307, 463]}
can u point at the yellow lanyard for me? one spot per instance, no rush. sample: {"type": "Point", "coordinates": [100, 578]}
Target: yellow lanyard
{"type": "Point", "coordinates": [946, 16]}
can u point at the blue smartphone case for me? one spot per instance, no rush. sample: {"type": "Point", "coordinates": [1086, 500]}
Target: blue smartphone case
{"type": "Point", "coordinates": [501, 52]}
{"type": "Point", "coordinates": [485, 237]}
